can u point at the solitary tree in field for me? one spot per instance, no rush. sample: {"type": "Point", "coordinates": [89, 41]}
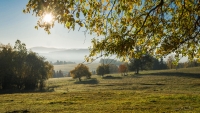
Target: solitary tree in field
{"type": "Point", "coordinates": [80, 71]}
{"type": "Point", "coordinates": [158, 26]}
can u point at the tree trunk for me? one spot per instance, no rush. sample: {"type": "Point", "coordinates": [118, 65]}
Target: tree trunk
{"type": "Point", "coordinates": [79, 79]}
{"type": "Point", "coordinates": [137, 71]}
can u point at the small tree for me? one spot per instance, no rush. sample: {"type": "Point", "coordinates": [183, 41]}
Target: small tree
{"type": "Point", "coordinates": [123, 69]}
{"type": "Point", "coordinates": [80, 71]}
{"type": "Point", "coordinates": [170, 62]}
{"type": "Point", "coordinates": [102, 70]}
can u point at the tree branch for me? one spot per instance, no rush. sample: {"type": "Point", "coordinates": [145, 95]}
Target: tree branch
{"type": "Point", "coordinates": [160, 4]}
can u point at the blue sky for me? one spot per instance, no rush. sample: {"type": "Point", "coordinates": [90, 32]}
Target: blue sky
{"type": "Point", "coordinates": [14, 24]}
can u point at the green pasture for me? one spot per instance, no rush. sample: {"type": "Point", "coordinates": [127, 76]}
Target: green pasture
{"type": "Point", "coordinates": [165, 91]}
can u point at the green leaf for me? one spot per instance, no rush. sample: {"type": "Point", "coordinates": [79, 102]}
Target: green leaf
{"type": "Point", "coordinates": [67, 24]}
{"type": "Point", "coordinates": [77, 14]}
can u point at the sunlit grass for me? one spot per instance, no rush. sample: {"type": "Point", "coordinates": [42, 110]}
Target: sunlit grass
{"type": "Point", "coordinates": [102, 101]}
{"type": "Point", "coordinates": [149, 92]}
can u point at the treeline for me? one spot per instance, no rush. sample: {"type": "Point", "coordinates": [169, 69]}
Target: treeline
{"type": "Point", "coordinates": [61, 62]}
{"type": "Point", "coordinates": [146, 62]}
{"type": "Point", "coordinates": [22, 69]}
{"type": "Point", "coordinates": [187, 64]}
{"type": "Point", "coordinates": [57, 74]}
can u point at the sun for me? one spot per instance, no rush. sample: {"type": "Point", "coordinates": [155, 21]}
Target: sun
{"type": "Point", "coordinates": [48, 18]}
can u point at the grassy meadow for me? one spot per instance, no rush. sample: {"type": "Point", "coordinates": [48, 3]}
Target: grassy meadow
{"type": "Point", "coordinates": [165, 91]}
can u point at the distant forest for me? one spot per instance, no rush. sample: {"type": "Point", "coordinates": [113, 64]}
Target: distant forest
{"type": "Point", "coordinates": [110, 61]}
{"type": "Point", "coordinates": [57, 74]}
{"type": "Point", "coordinates": [148, 62]}
{"type": "Point", "coordinates": [61, 62]}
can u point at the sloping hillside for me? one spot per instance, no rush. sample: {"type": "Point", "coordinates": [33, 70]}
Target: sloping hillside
{"type": "Point", "coordinates": [54, 54]}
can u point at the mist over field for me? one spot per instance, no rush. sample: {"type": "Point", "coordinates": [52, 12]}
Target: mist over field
{"type": "Point", "coordinates": [54, 54]}
{"type": "Point", "coordinates": [74, 55]}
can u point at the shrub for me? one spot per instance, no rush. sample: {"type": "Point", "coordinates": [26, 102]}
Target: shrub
{"type": "Point", "coordinates": [102, 70]}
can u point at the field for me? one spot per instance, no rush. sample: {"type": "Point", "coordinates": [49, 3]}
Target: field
{"type": "Point", "coordinates": [165, 91]}
{"type": "Point", "coordinates": [67, 67]}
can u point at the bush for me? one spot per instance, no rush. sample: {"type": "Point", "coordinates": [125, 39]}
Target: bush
{"type": "Point", "coordinates": [102, 70]}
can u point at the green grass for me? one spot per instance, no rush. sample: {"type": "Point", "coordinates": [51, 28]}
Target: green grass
{"type": "Point", "coordinates": [163, 91]}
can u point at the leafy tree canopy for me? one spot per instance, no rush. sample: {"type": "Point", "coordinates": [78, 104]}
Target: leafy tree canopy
{"type": "Point", "coordinates": [123, 69]}
{"type": "Point", "coordinates": [79, 71]}
{"type": "Point", "coordinates": [22, 69]}
{"type": "Point", "coordinates": [102, 70]}
{"type": "Point", "coordinates": [158, 26]}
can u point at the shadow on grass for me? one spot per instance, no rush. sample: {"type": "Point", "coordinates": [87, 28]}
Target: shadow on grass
{"type": "Point", "coordinates": [135, 75]}
{"type": "Point", "coordinates": [88, 81]}
{"type": "Point", "coordinates": [19, 111]}
{"type": "Point", "coordinates": [178, 74]}
{"type": "Point", "coordinates": [111, 77]}
{"type": "Point", "coordinates": [13, 91]}
{"type": "Point", "coordinates": [151, 84]}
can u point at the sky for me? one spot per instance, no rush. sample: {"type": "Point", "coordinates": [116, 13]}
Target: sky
{"type": "Point", "coordinates": [14, 24]}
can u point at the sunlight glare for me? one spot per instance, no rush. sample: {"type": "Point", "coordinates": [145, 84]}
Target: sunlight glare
{"type": "Point", "coordinates": [48, 18]}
